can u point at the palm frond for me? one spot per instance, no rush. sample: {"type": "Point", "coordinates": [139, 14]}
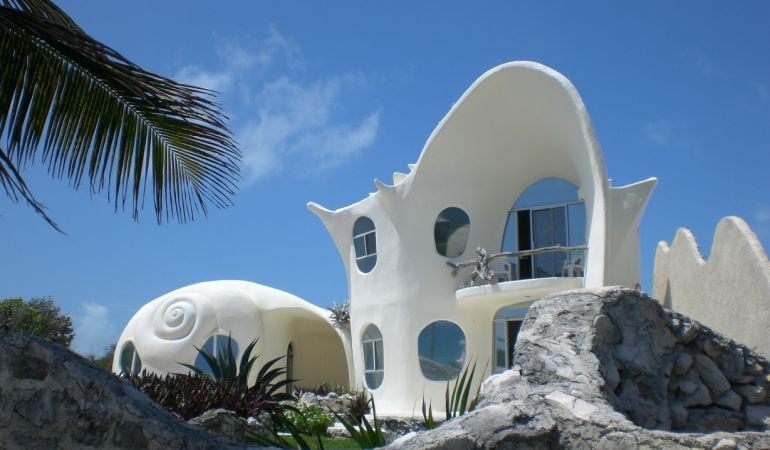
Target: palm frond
{"type": "Point", "coordinates": [92, 115]}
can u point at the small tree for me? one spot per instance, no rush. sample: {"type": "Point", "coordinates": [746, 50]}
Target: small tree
{"type": "Point", "coordinates": [38, 317]}
{"type": "Point", "coordinates": [105, 361]}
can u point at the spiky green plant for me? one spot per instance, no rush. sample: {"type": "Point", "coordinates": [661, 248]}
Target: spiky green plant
{"type": "Point", "coordinates": [223, 366]}
{"type": "Point", "coordinates": [460, 402]}
{"type": "Point", "coordinates": [427, 414]}
{"type": "Point", "coordinates": [365, 434]}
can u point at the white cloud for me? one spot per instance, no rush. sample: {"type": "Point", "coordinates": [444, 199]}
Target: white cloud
{"type": "Point", "coordinates": [282, 122]}
{"type": "Point", "coordinates": [93, 330]}
{"type": "Point", "coordinates": [215, 81]}
{"type": "Point", "coordinates": [294, 128]}
{"type": "Point", "coordinates": [658, 132]}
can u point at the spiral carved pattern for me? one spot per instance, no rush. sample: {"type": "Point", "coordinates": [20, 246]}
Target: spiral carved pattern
{"type": "Point", "coordinates": [175, 318]}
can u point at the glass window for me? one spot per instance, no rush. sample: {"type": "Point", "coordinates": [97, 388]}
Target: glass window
{"type": "Point", "coordinates": [506, 326]}
{"type": "Point", "coordinates": [365, 244]}
{"type": "Point", "coordinates": [441, 349]}
{"type": "Point", "coordinates": [216, 345]}
{"type": "Point", "coordinates": [374, 361]}
{"type": "Point", "coordinates": [451, 232]}
{"type": "Point", "coordinates": [129, 359]}
{"type": "Point", "coordinates": [547, 214]}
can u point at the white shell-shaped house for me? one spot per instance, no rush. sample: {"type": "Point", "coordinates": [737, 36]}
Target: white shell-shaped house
{"type": "Point", "coordinates": [513, 168]}
{"type": "Point", "coordinates": [166, 331]}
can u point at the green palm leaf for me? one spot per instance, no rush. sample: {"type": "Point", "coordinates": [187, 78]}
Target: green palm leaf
{"type": "Point", "coordinates": [92, 116]}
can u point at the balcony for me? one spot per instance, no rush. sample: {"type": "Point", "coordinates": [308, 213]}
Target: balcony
{"type": "Point", "coordinates": [496, 280]}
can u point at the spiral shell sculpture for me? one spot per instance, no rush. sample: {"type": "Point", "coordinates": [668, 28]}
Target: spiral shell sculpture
{"type": "Point", "coordinates": [176, 316]}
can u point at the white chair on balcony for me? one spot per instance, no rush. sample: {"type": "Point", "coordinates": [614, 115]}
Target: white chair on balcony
{"type": "Point", "coordinates": [573, 268]}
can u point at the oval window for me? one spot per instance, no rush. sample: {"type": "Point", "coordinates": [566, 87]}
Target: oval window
{"type": "Point", "coordinates": [217, 346]}
{"type": "Point", "coordinates": [365, 244]}
{"type": "Point", "coordinates": [374, 361]}
{"type": "Point", "coordinates": [129, 359]}
{"type": "Point", "coordinates": [451, 232]}
{"type": "Point", "coordinates": [441, 348]}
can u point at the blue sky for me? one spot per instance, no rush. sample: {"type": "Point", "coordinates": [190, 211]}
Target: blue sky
{"type": "Point", "coordinates": [326, 96]}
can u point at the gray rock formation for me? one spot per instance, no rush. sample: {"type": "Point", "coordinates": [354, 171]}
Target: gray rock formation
{"type": "Point", "coordinates": [224, 424]}
{"type": "Point", "coordinates": [51, 398]}
{"type": "Point", "coordinates": [612, 369]}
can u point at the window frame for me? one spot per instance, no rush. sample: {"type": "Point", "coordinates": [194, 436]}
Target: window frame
{"type": "Point", "coordinates": [365, 341]}
{"type": "Point", "coordinates": [368, 241]}
{"type": "Point", "coordinates": [136, 361]}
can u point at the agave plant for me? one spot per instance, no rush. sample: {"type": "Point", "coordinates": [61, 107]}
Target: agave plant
{"type": "Point", "coordinates": [460, 402]}
{"type": "Point", "coordinates": [223, 365]}
{"type": "Point", "coordinates": [366, 435]}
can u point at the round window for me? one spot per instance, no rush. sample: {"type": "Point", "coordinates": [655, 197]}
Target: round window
{"type": "Point", "coordinates": [374, 361]}
{"type": "Point", "coordinates": [129, 359]}
{"type": "Point", "coordinates": [216, 345]}
{"type": "Point", "coordinates": [451, 232]}
{"type": "Point", "coordinates": [365, 244]}
{"type": "Point", "coordinates": [441, 348]}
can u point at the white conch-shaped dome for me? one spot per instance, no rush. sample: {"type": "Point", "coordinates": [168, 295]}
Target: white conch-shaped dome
{"type": "Point", "coordinates": [165, 331]}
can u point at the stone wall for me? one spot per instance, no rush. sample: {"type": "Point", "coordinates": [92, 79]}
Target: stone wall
{"type": "Point", "coordinates": [729, 292]}
{"type": "Point", "coordinates": [612, 368]}
{"type": "Point", "coordinates": [666, 371]}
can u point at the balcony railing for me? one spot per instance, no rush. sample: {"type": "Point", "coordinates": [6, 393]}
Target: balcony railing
{"type": "Point", "coordinates": [505, 266]}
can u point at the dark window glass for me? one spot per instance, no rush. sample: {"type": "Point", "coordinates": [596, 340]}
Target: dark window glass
{"type": "Point", "coordinates": [129, 359]}
{"type": "Point", "coordinates": [451, 232]}
{"type": "Point", "coordinates": [441, 349]}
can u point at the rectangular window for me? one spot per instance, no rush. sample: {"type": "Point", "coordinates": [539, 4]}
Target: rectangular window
{"type": "Point", "coordinates": [563, 225]}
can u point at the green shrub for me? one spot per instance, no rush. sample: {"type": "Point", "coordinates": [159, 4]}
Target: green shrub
{"type": "Point", "coordinates": [325, 389]}
{"type": "Point", "coordinates": [313, 420]}
{"type": "Point", "coordinates": [38, 317]}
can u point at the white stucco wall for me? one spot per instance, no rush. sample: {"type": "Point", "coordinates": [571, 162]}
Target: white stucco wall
{"type": "Point", "coordinates": [729, 292]}
{"type": "Point", "coordinates": [166, 330]}
{"type": "Point", "coordinates": [517, 124]}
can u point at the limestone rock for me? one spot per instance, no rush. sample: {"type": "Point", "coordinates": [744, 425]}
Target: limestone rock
{"type": "Point", "coordinates": [682, 363]}
{"type": "Point", "coordinates": [758, 416]}
{"type": "Point", "coordinates": [730, 400]}
{"type": "Point", "coordinates": [53, 398]}
{"type": "Point", "coordinates": [711, 375]}
{"type": "Point", "coordinates": [700, 397]}
{"type": "Point", "coordinates": [752, 394]}
{"type": "Point", "coordinates": [576, 385]}
{"type": "Point", "coordinates": [224, 424]}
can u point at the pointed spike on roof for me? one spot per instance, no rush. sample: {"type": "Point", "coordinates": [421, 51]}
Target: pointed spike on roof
{"type": "Point", "coordinates": [398, 177]}
{"type": "Point", "coordinates": [320, 211]}
{"type": "Point", "coordinates": [411, 166]}
{"type": "Point", "coordinates": [382, 187]}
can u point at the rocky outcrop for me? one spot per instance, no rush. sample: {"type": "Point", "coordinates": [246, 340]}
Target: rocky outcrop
{"type": "Point", "coordinates": [51, 398]}
{"type": "Point", "coordinates": [611, 368]}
